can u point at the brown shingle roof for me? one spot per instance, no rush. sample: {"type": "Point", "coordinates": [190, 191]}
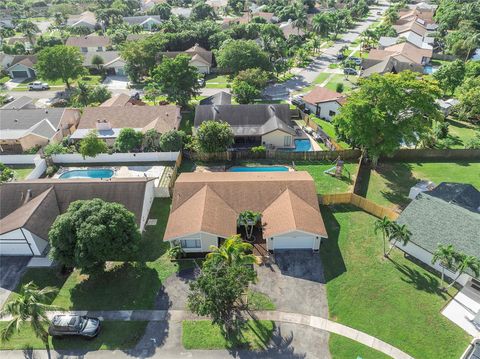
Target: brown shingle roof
{"type": "Point", "coordinates": [163, 118]}
{"type": "Point", "coordinates": [49, 197]}
{"type": "Point", "coordinates": [195, 52]}
{"type": "Point", "coordinates": [211, 203]}
{"type": "Point", "coordinates": [323, 94]}
{"type": "Point", "coordinates": [89, 41]}
{"type": "Point", "coordinates": [410, 51]}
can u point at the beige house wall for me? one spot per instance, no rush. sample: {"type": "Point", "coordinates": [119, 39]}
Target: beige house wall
{"type": "Point", "coordinates": [277, 139]}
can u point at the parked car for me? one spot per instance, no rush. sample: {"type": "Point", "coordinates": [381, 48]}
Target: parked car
{"type": "Point", "coordinates": [340, 56]}
{"type": "Point", "coordinates": [7, 98]}
{"type": "Point", "coordinates": [356, 60]}
{"type": "Point", "coordinates": [297, 101]}
{"type": "Point", "coordinates": [74, 325]}
{"type": "Point", "coordinates": [38, 86]}
{"type": "Point", "coordinates": [350, 71]}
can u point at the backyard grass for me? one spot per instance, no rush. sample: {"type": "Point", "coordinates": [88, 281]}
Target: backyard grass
{"type": "Point", "coordinates": [326, 183]}
{"type": "Point", "coordinates": [113, 335]}
{"type": "Point", "coordinates": [394, 300]}
{"type": "Point", "coordinates": [186, 124]}
{"type": "Point", "coordinates": [461, 133]}
{"type": "Point", "coordinates": [22, 173]}
{"type": "Point", "coordinates": [122, 286]}
{"type": "Point", "coordinates": [202, 334]}
{"type": "Point", "coordinates": [390, 183]}
{"type": "Point", "coordinates": [342, 347]}
{"type": "Point", "coordinates": [217, 81]}
{"type": "Point", "coordinates": [259, 301]}
{"type": "Point", "coordinates": [329, 129]}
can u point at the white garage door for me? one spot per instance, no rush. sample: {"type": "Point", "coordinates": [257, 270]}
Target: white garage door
{"type": "Point", "coordinates": [293, 242]}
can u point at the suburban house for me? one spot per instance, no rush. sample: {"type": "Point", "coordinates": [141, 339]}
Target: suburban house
{"type": "Point", "coordinates": [22, 66]}
{"type": "Point", "coordinates": [22, 102]}
{"type": "Point", "coordinates": [396, 58]}
{"type": "Point", "coordinates": [22, 129]}
{"type": "Point", "coordinates": [182, 11]}
{"type": "Point", "coordinates": [415, 26]}
{"type": "Point", "coordinates": [411, 37]}
{"type": "Point", "coordinates": [147, 22]}
{"type": "Point", "coordinates": [90, 43]}
{"type": "Point", "coordinates": [218, 6]}
{"type": "Point", "coordinates": [122, 99]}
{"type": "Point", "coordinates": [200, 58]}
{"type": "Point", "coordinates": [148, 4]}
{"type": "Point", "coordinates": [323, 102]}
{"type": "Point", "coordinates": [220, 98]}
{"type": "Point", "coordinates": [109, 120]}
{"type": "Point", "coordinates": [29, 208]}
{"type": "Point", "coordinates": [422, 11]}
{"type": "Point", "coordinates": [254, 124]}
{"type": "Point", "coordinates": [213, 201]}
{"type": "Point", "coordinates": [25, 41]}
{"type": "Point", "coordinates": [448, 214]}
{"type": "Point", "coordinates": [248, 16]}
{"type": "Point", "coordinates": [112, 62]}
{"type": "Point", "coordinates": [288, 28]}
{"type": "Point", "coordinates": [85, 19]}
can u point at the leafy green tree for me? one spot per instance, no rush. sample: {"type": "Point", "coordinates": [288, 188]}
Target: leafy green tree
{"type": "Point", "coordinates": [238, 55]}
{"type": "Point", "coordinates": [29, 307]}
{"type": "Point", "coordinates": [82, 94]}
{"type": "Point", "coordinates": [99, 94]}
{"type": "Point", "coordinates": [463, 263]}
{"type": "Point", "coordinates": [469, 96]}
{"type": "Point", "coordinates": [54, 149]}
{"type": "Point", "coordinates": [450, 75]}
{"type": "Point", "coordinates": [248, 85]}
{"type": "Point", "coordinates": [177, 79]}
{"type": "Point", "coordinates": [128, 140]}
{"type": "Point", "coordinates": [386, 111]}
{"type": "Point", "coordinates": [472, 69]}
{"type": "Point", "coordinates": [151, 141]}
{"type": "Point", "coordinates": [236, 6]}
{"type": "Point", "coordinates": [98, 62]}
{"type": "Point", "coordinates": [202, 11]}
{"type": "Point", "coordinates": [234, 251]}
{"type": "Point", "coordinates": [218, 290]}
{"type": "Point", "coordinates": [92, 232]}
{"type": "Point", "coordinates": [384, 225]}
{"type": "Point", "coordinates": [398, 233]}
{"type": "Point", "coordinates": [214, 136]}
{"type": "Point", "coordinates": [322, 23]}
{"type": "Point", "coordinates": [445, 254]}
{"type": "Point", "coordinates": [29, 29]}
{"type": "Point", "coordinates": [92, 145]}
{"type": "Point", "coordinates": [60, 63]}
{"type": "Point", "coordinates": [163, 10]}
{"type": "Point", "coordinates": [474, 142]}
{"type": "Point", "coordinates": [248, 219]}
{"type": "Point", "coordinates": [172, 141]}
{"type": "Point", "coordinates": [152, 92]}
{"type": "Point", "coordinates": [6, 173]}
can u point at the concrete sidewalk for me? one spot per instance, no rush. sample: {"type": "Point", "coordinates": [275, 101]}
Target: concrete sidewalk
{"type": "Point", "coordinates": [276, 316]}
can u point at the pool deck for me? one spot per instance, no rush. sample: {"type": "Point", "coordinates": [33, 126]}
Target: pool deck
{"type": "Point", "coordinates": [120, 171]}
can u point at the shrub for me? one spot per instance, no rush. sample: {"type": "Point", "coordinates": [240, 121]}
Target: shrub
{"type": "Point", "coordinates": [51, 170]}
{"type": "Point", "coordinates": [258, 149]}
{"type": "Point", "coordinates": [214, 136]}
{"type": "Point", "coordinates": [54, 149]}
{"type": "Point", "coordinates": [172, 141]}
{"type": "Point", "coordinates": [6, 173]}
{"type": "Point", "coordinates": [339, 87]}
{"type": "Point", "coordinates": [128, 140]}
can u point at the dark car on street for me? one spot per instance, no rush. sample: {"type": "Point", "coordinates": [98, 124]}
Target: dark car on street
{"type": "Point", "coordinates": [76, 325]}
{"type": "Point", "coordinates": [350, 71]}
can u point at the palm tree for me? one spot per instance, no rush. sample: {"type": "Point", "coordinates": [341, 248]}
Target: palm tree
{"type": "Point", "coordinates": [300, 14]}
{"type": "Point", "coordinates": [463, 263]}
{"type": "Point", "coordinates": [28, 307]}
{"type": "Point", "coordinates": [445, 254]}
{"type": "Point", "coordinates": [82, 93]}
{"type": "Point", "coordinates": [400, 233]}
{"type": "Point", "coordinates": [321, 24]}
{"type": "Point", "coordinates": [248, 219]}
{"type": "Point", "coordinates": [233, 251]}
{"type": "Point", "coordinates": [29, 29]}
{"type": "Point", "coordinates": [384, 225]}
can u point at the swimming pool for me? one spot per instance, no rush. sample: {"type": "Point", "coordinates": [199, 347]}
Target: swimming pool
{"type": "Point", "coordinates": [91, 173]}
{"type": "Point", "coordinates": [303, 145]}
{"type": "Point", "coordinates": [259, 169]}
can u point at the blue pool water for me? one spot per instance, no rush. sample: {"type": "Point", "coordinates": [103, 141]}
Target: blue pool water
{"type": "Point", "coordinates": [303, 145]}
{"type": "Point", "coordinates": [259, 169]}
{"type": "Point", "coordinates": [95, 173]}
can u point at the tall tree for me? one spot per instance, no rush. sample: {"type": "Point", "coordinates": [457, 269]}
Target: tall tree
{"type": "Point", "coordinates": [398, 233]}
{"type": "Point", "coordinates": [60, 63]}
{"type": "Point", "coordinates": [321, 23]}
{"type": "Point", "coordinates": [92, 145]}
{"type": "Point", "coordinates": [248, 85]}
{"type": "Point", "coordinates": [28, 307]}
{"type": "Point", "coordinates": [202, 11]}
{"type": "Point", "coordinates": [238, 55]}
{"type": "Point", "coordinates": [177, 79]}
{"type": "Point", "coordinates": [128, 140]}
{"type": "Point", "coordinates": [29, 29]}
{"type": "Point", "coordinates": [92, 232]}
{"type": "Point", "coordinates": [233, 251]}
{"type": "Point", "coordinates": [214, 136]}
{"type": "Point", "coordinates": [386, 111]}
{"type": "Point", "coordinates": [450, 75]}
{"type": "Point", "coordinates": [384, 225]}
{"type": "Point", "coordinates": [445, 254]}
{"type": "Point", "coordinates": [464, 263]}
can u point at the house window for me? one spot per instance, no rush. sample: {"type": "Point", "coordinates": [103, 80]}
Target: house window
{"type": "Point", "coordinates": [287, 141]}
{"type": "Point", "coordinates": [331, 113]}
{"type": "Point", "coordinates": [191, 243]}
{"type": "Point", "coordinates": [84, 49]}
{"type": "Point", "coordinates": [99, 48]}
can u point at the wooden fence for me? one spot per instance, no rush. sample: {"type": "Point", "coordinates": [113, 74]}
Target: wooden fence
{"type": "Point", "coordinates": [329, 142]}
{"type": "Point", "coordinates": [173, 178]}
{"type": "Point", "coordinates": [361, 202]}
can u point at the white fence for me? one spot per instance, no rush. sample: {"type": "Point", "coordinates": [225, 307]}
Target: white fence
{"type": "Point", "coordinates": [76, 158]}
{"type": "Point", "coordinates": [19, 159]}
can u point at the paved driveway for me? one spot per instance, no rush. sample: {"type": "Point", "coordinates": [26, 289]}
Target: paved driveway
{"type": "Point", "coordinates": [116, 82]}
{"type": "Point", "coordinates": [294, 280]}
{"type": "Point", "coordinates": [11, 270]}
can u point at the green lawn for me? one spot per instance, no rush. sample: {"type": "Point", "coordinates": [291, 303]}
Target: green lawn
{"type": "Point", "coordinates": [326, 183]}
{"type": "Point", "coordinates": [217, 81]}
{"type": "Point", "coordinates": [395, 300]}
{"type": "Point", "coordinates": [318, 80]}
{"type": "Point", "coordinates": [390, 183]}
{"type": "Point", "coordinates": [259, 301]}
{"type": "Point", "coordinates": [22, 173]}
{"type": "Point", "coordinates": [461, 133]}
{"type": "Point", "coordinates": [342, 347]}
{"type": "Point", "coordinates": [329, 129]}
{"type": "Point", "coordinates": [123, 285]}
{"type": "Point", "coordinates": [113, 335]}
{"type": "Point", "coordinates": [202, 334]}
{"type": "Point", "coordinates": [340, 78]}
{"type": "Point", "coordinates": [187, 122]}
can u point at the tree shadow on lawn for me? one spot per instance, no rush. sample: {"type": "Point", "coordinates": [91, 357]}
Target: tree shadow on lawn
{"type": "Point", "coordinates": [333, 263]}
{"type": "Point", "coordinates": [422, 281]}
{"type": "Point", "coordinates": [398, 179]}
{"type": "Point", "coordinates": [126, 286]}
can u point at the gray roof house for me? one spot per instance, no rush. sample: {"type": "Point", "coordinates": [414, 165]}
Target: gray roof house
{"type": "Point", "coordinates": [253, 124]}
{"type": "Point", "coordinates": [145, 21]}
{"type": "Point", "coordinates": [23, 129]}
{"type": "Point", "coordinates": [448, 214]}
{"type": "Point", "coordinates": [22, 102]}
{"type": "Point", "coordinates": [220, 98]}
{"type": "Point", "coordinates": [29, 208]}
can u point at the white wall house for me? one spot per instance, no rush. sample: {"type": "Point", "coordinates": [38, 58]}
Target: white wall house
{"type": "Point", "coordinates": [323, 102]}
{"type": "Point", "coordinates": [325, 110]}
